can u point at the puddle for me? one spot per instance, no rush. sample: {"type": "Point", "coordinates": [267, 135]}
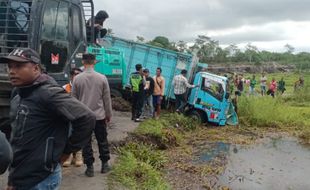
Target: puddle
{"type": "Point", "coordinates": [218, 149]}
{"type": "Point", "coordinates": [275, 164]}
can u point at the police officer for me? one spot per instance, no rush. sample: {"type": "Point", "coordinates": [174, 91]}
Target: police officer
{"type": "Point", "coordinates": [137, 82]}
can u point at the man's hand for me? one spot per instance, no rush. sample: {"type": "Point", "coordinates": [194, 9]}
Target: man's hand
{"type": "Point", "coordinates": [108, 119]}
{"type": "Point", "coordinates": [63, 158]}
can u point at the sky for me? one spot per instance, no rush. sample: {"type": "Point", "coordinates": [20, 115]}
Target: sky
{"type": "Point", "coordinates": [267, 24]}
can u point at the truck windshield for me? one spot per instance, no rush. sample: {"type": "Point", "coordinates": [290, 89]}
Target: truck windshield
{"type": "Point", "coordinates": [213, 88]}
{"type": "Point", "coordinates": [14, 25]}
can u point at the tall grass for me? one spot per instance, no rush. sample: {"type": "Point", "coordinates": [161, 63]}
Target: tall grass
{"type": "Point", "coordinates": [270, 112]}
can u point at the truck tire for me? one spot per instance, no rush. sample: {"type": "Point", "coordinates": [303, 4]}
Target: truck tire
{"type": "Point", "coordinates": [196, 115]}
{"type": "Point", "coordinates": [115, 93]}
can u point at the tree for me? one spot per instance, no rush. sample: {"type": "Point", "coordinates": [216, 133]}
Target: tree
{"type": "Point", "coordinates": [140, 39]}
{"type": "Point", "coordinates": [289, 48]}
{"type": "Point", "coordinates": [181, 46]}
{"type": "Point", "coordinates": [160, 41]}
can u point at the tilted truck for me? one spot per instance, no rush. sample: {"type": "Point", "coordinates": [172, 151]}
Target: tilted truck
{"type": "Point", "coordinates": [54, 28]}
{"type": "Point", "coordinates": [208, 102]}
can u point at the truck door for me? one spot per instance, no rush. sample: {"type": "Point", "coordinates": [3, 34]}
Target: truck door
{"type": "Point", "coordinates": [210, 98]}
{"type": "Point", "coordinates": [54, 38]}
{"type": "Point", "coordinates": [77, 31]}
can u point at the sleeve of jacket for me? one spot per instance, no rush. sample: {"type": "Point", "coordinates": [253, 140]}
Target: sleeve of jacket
{"type": "Point", "coordinates": [82, 119]}
{"type": "Point", "coordinates": [5, 153]}
{"type": "Point", "coordinates": [107, 98]}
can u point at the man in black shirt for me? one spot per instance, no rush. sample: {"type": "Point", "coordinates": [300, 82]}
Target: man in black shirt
{"type": "Point", "coordinates": [148, 109]}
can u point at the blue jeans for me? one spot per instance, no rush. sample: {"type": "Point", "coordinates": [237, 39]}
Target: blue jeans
{"type": "Point", "coordinates": [148, 109]}
{"type": "Point", "coordinates": [52, 182]}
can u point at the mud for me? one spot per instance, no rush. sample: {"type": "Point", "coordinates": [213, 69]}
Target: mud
{"type": "Point", "coordinates": [119, 104]}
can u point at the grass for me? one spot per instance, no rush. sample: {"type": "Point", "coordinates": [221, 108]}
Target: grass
{"type": "Point", "coordinates": [136, 174]}
{"type": "Point", "coordinates": [173, 140]}
{"type": "Point", "coordinates": [140, 161]}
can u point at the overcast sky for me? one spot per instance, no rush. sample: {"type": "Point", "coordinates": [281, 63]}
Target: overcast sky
{"type": "Point", "coordinates": [267, 24]}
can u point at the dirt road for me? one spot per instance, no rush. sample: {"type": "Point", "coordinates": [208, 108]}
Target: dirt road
{"type": "Point", "coordinates": [74, 178]}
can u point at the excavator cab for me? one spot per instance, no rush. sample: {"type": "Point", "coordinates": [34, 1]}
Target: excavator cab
{"type": "Point", "coordinates": [54, 28]}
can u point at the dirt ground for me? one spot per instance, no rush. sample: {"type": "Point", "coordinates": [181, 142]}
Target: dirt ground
{"type": "Point", "coordinates": [74, 178]}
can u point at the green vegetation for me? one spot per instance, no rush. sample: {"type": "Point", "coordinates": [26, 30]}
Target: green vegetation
{"type": "Point", "coordinates": [173, 142]}
{"type": "Point", "coordinates": [269, 112]}
{"type": "Point", "coordinates": [209, 51]}
{"type": "Point", "coordinates": [136, 174]}
{"type": "Point", "coordinates": [142, 158]}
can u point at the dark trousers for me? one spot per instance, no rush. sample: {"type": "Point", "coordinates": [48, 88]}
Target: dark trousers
{"type": "Point", "coordinates": [180, 101]}
{"type": "Point", "coordinates": [103, 145]}
{"type": "Point", "coordinates": [137, 103]}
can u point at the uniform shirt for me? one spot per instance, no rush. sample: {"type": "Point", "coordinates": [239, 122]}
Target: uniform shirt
{"type": "Point", "coordinates": [180, 84]}
{"type": "Point", "coordinates": [159, 86]}
{"type": "Point", "coordinates": [92, 89]}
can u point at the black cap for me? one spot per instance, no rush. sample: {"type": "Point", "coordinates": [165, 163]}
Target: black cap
{"type": "Point", "coordinates": [88, 56]}
{"type": "Point", "coordinates": [101, 15]}
{"type": "Point", "coordinates": [22, 55]}
{"type": "Point", "coordinates": [146, 70]}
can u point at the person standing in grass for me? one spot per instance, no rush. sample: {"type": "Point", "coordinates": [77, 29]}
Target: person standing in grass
{"type": "Point", "coordinates": [252, 85]}
{"type": "Point", "coordinates": [281, 86]}
{"type": "Point", "coordinates": [263, 84]}
{"type": "Point", "coordinates": [272, 87]}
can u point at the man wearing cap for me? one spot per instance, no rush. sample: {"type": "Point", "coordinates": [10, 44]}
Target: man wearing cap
{"type": "Point", "coordinates": [40, 115]}
{"type": "Point", "coordinates": [93, 90]}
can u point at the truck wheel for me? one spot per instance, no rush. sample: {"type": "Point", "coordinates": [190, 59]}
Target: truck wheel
{"type": "Point", "coordinates": [115, 93]}
{"type": "Point", "coordinates": [196, 115]}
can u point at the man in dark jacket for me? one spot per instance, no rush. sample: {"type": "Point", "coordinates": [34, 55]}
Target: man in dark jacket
{"type": "Point", "coordinates": [40, 115]}
{"type": "Point", "coordinates": [5, 153]}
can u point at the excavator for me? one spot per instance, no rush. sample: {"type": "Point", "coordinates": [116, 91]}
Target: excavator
{"type": "Point", "coordinates": [60, 30]}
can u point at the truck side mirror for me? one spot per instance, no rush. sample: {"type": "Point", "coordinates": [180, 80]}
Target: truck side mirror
{"type": "Point", "coordinates": [227, 95]}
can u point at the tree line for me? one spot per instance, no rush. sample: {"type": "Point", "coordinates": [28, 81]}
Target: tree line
{"type": "Point", "coordinates": [209, 51]}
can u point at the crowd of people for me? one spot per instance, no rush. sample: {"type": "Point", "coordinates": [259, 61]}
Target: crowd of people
{"type": "Point", "coordinates": [260, 86]}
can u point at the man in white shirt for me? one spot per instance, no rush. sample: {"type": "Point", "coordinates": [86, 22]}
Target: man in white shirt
{"type": "Point", "coordinates": [263, 84]}
{"type": "Point", "coordinates": [181, 84]}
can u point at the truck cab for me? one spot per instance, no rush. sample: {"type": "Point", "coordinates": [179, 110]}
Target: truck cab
{"type": "Point", "coordinates": [54, 28]}
{"type": "Point", "coordinates": [210, 102]}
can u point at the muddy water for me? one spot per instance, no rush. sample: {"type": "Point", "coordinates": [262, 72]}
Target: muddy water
{"type": "Point", "coordinates": [280, 163]}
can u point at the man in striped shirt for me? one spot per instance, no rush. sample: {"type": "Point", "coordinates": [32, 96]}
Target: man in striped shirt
{"type": "Point", "coordinates": [181, 84]}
